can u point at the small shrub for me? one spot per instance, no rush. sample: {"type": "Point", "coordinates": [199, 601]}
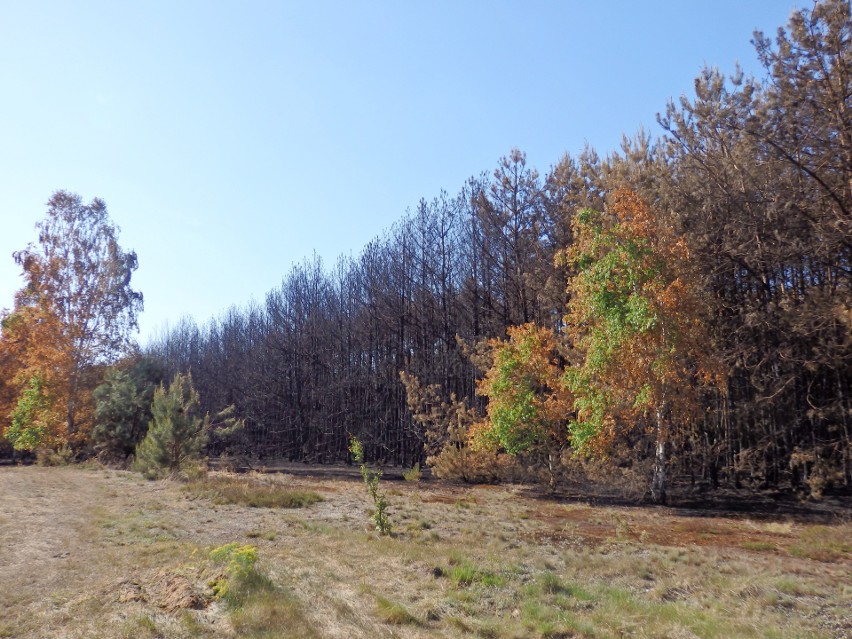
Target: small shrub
{"type": "Point", "coordinates": [474, 466]}
{"type": "Point", "coordinates": [241, 578]}
{"type": "Point", "coordinates": [371, 479]}
{"type": "Point", "coordinates": [61, 456]}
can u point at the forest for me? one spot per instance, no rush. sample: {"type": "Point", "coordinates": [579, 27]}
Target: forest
{"type": "Point", "coordinates": [680, 309]}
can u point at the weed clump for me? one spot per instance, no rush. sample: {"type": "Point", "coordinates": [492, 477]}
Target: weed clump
{"type": "Point", "coordinates": [241, 578]}
{"type": "Point", "coordinates": [259, 608]}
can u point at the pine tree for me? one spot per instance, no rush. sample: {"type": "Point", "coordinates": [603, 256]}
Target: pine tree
{"type": "Point", "coordinates": [178, 433]}
{"type": "Point", "coordinates": [123, 408]}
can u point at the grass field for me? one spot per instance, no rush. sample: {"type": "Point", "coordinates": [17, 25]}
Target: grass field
{"type": "Point", "coordinates": [101, 553]}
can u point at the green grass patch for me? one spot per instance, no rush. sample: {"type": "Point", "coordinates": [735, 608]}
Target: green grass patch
{"type": "Point", "coordinates": [249, 492]}
{"type": "Point", "coordinates": [758, 546]}
{"type": "Point", "coordinates": [463, 574]}
{"type": "Point", "coordinates": [620, 611]}
{"type": "Point", "coordinates": [466, 574]}
{"type": "Point", "coordinates": [259, 608]}
{"type": "Point", "coordinates": [550, 584]}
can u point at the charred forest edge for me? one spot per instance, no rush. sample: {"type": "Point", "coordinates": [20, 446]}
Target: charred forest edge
{"type": "Point", "coordinates": [754, 176]}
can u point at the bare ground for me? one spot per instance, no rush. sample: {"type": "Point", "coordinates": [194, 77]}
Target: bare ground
{"type": "Point", "coordinates": [101, 553]}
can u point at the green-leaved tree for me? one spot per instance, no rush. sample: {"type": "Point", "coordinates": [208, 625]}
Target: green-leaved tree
{"type": "Point", "coordinates": [31, 419]}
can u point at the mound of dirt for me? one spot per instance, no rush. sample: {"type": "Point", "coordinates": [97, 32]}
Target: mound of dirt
{"type": "Point", "coordinates": [173, 592]}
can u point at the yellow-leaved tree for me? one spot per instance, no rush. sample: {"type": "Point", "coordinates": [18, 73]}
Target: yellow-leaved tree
{"type": "Point", "coordinates": [34, 360]}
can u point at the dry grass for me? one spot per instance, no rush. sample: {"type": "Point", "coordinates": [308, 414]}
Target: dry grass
{"type": "Point", "coordinates": [250, 491]}
{"type": "Point", "coordinates": [106, 554]}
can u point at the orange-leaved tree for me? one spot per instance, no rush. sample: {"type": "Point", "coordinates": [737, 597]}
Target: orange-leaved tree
{"type": "Point", "coordinates": [34, 360]}
{"type": "Point", "coordinates": [528, 405]}
{"type": "Point", "coordinates": [74, 314]}
{"type": "Point", "coordinates": [636, 317]}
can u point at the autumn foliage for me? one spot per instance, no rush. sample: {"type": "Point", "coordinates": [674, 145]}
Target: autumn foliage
{"type": "Point", "coordinates": [705, 325]}
{"type": "Point", "coordinates": [636, 318]}
{"type": "Point", "coordinates": [73, 316]}
{"type": "Point", "coordinates": [528, 406]}
{"type": "Point", "coordinates": [34, 356]}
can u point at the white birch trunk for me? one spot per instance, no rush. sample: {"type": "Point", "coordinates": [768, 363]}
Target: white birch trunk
{"type": "Point", "coordinates": [658, 483]}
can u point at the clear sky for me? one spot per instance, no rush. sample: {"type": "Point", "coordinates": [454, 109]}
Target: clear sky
{"type": "Point", "coordinates": [232, 139]}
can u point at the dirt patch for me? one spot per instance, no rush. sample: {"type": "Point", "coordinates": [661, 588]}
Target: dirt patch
{"type": "Point", "coordinates": [662, 527]}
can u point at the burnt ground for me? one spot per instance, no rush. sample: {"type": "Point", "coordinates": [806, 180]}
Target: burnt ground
{"type": "Point", "coordinates": [684, 498]}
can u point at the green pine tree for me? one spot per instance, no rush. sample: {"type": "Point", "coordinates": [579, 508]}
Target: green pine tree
{"type": "Point", "coordinates": [123, 409]}
{"type": "Point", "coordinates": [177, 433]}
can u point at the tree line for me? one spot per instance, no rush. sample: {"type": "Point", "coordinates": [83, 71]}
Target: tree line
{"type": "Point", "coordinates": [694, 291]}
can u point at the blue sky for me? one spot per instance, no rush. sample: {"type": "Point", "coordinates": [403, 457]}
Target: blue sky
{"type": "Point", "coordinates": [232, 139]}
